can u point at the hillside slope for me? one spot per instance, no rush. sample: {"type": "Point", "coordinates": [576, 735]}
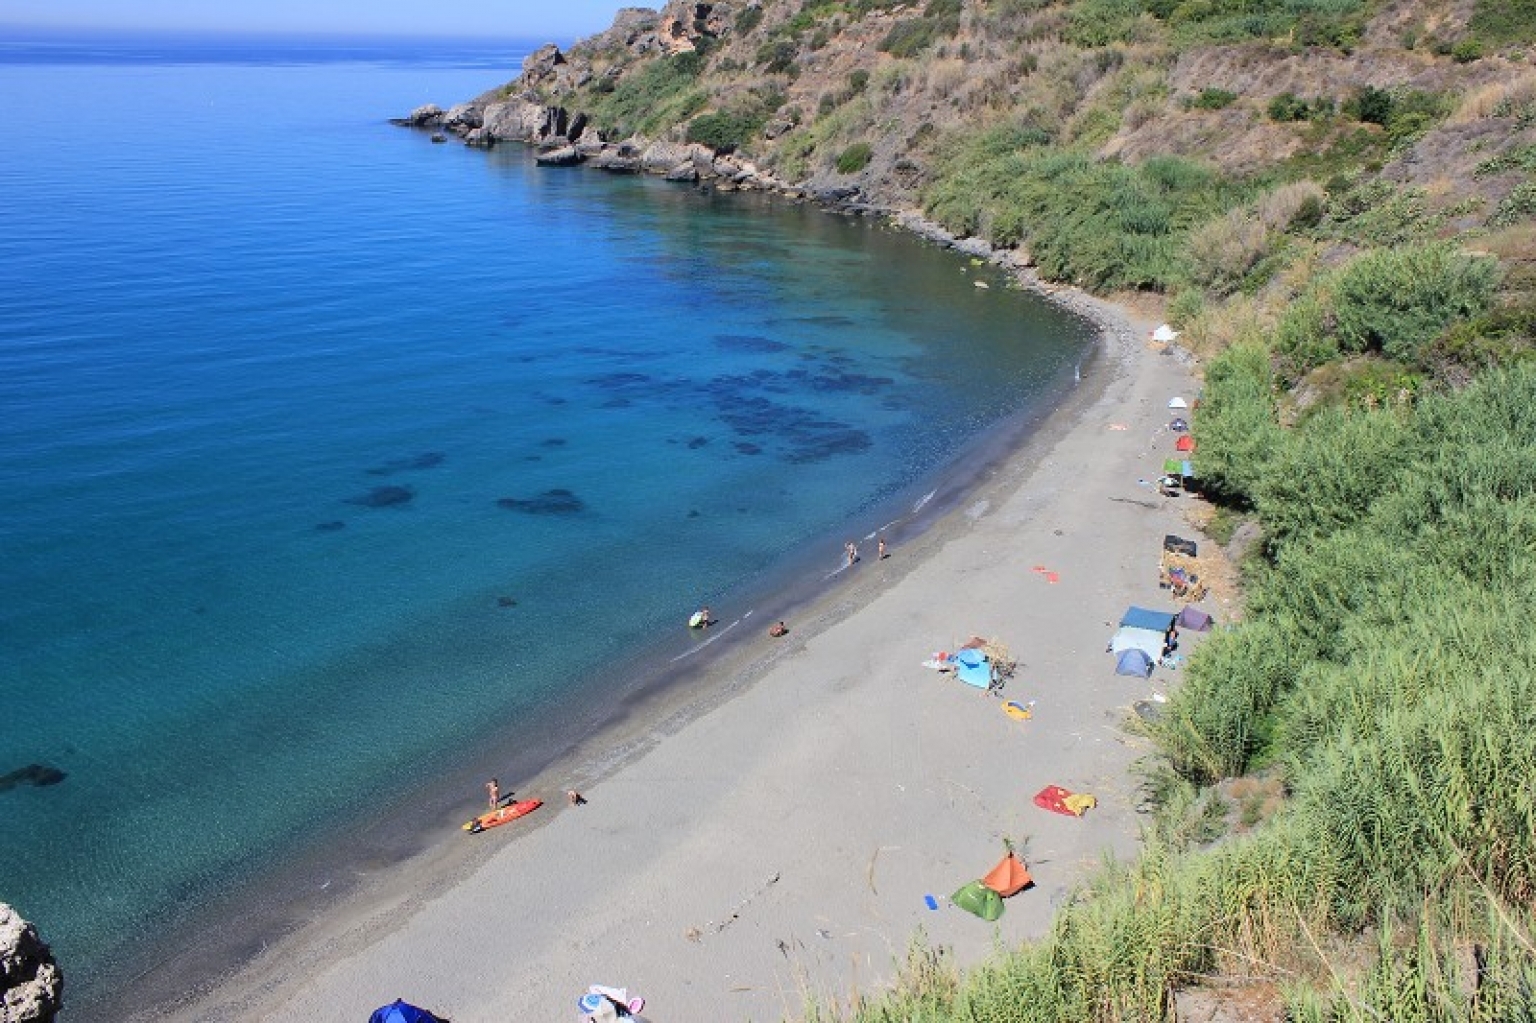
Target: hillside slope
{"type": "Point", "coordinates": [1336, 202]}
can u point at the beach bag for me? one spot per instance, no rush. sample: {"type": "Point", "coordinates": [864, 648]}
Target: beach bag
{"type": "Point", "coordinates": [977, 898]}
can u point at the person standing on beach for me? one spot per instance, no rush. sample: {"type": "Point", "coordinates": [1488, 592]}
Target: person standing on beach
{"type": "Point", "coordinates": [880, 550]}
{"type": "Point", "coordinates": [493, 792]}
{"type": "Point", "coordinates": [851, 549]}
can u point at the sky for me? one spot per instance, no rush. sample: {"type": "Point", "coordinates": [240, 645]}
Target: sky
{"type": "Point", "coordinates": [560, 21]}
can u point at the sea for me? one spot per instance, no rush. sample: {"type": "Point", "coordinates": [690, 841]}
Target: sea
{"type": "Point", "coordinates": [342, 467]}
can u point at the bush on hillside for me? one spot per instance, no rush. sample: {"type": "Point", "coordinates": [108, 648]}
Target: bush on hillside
{"type": "Point", "coordinates": [1392, 302]}
{"type": "Point", "coordinates": [1504, 22]}
{"type": "Point", "coordinates": [1396, 301]}
{"type": "Point", "coordinates": [1213, 99]}
{"type": "Point", "coordinates": [855, 158]}
{"type": "Point", "coordinates": [655, 95]}
{"type": "Point", "coordinates": [1222, 252]}
{"type": "Point", "coordinates": [1236, 427]}
{"type": "Point", "coordinates": [724, 131]}
{"type": "Point", "coordinates": [748, 19]}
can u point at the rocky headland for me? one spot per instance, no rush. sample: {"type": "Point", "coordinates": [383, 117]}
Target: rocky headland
{"type": "Point", "coordinates": [31, 986]}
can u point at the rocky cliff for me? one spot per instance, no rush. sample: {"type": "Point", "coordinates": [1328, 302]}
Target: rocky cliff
{"type": "Point", "coordinates": [868, 102]}
{"type": "Point", "coordinates": [31, 985]}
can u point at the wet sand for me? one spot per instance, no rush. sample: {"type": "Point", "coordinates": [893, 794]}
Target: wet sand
{"type": "Point", "coordinates": [768, 834]}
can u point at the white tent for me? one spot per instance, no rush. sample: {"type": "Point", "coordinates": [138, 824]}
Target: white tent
{"type": "Point", "coordinates": [1164, 333]}
{"type": "Point", "coordinates": [1177, 403]}
{"type": "Point", "coordinates": [1145, 640]}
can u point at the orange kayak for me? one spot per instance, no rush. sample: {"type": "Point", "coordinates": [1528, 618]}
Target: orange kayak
{"type": "Point", "coordinates": [502, 815]}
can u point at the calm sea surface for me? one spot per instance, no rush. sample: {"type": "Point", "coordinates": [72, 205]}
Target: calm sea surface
{"type": "Point", "coordinates": [329, 454]}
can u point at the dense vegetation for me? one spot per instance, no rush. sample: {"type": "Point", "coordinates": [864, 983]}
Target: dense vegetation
{"type": "Point", "coordinates": [1357, 267]}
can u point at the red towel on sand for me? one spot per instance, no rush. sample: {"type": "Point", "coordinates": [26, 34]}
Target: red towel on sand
{"type": "Point", "coordinates": [1053, 798]}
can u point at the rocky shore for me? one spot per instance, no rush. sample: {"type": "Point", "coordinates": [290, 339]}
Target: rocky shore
{"type": "Point", "coordinates": [31, 986]}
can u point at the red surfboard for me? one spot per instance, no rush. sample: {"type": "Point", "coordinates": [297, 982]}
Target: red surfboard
{"type": "Point", "coordinates": [503, 815]}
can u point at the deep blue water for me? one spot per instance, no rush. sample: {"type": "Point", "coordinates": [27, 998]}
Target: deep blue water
{"type": "Point", "coordinates": [316, 438]}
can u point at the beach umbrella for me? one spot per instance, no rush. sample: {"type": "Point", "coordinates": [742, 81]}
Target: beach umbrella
{"type": "Point", "coordinates": [402, 1012]}
{"type": "Point", "coordinates": [1177, 403]}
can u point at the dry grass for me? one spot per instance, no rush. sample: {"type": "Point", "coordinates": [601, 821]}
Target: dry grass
{"type": "Point", "coordinates": [1488, 101]}
{"type": "Point", "coordinates": [1219, 326]}
{"type": "Point", "coordinates": [1277, 209]}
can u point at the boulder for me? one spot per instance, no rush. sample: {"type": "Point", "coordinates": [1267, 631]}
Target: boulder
{"type": "Point", "coordinates": [563, 156]}
{"type": "Point", "coordinates": [540, 65]}
{"type": "Point", "coordinates": [684, 171]}
{"type": "Point", "coordinates": [463, 116]}
{"type": "Point", "coordinates": [612, 161]}
{"type": "Point", "coordinates": [430, 113]}
{"type": "Point", "coordinates": [31, 985]}
{"type": "Point", "coordinates": [515, 120]}
{"type": "Point", "coordinates": [661, 157]}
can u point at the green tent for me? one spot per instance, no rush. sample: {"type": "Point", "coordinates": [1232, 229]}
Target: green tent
{"type": "Point", "coordinates": [979, 899]}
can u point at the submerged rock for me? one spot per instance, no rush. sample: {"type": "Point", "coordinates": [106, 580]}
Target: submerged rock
{"type": "Point", "coordinates": [31, 985]}
{"type": "Point", "coordinates": [557, 501]}
{"type": "Point", "coordinates": [38, 775]}
{"type": "Point", "coordinates": [383, 497]}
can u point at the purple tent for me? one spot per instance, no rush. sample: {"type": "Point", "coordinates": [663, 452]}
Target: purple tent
{"type": "Point", "coordinates": [1194, 619]}
{"type": "Point", "coordinates": [1134, 662]}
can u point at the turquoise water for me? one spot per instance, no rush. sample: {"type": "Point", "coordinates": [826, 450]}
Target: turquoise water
{"type": "Point", "coordinates": [316, 438]}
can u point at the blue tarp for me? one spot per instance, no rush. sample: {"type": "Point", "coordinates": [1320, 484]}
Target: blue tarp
{"type": "Point", "coordinates": [1141, 618]}
{"type": "Point", "coordinates": [402, 1012]}
{"type": "Point", "coordinates": [1134, 662]}
{"type": "Point", "coordinates": [973, 668]}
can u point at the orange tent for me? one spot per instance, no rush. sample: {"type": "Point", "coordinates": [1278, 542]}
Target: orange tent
{"type": "Point", "coordinates": [1008, 877]}
{"type": "Point", "coordinates": [1184, 443]}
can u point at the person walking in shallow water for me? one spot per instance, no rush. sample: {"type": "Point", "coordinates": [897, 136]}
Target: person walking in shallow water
{"type": "Point", "coordinates": [851, 550]}
{"type": "Point", "coordinates": [493, 792]}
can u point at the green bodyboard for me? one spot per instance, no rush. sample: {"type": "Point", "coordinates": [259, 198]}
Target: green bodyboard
{"type": "Point", "coordinates": [979, 899]}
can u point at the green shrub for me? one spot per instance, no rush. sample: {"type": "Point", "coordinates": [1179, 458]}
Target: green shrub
{"type": "Point", "coordinates": [777, 57]}
{"type": "Point", "coordinates": [855, 158]}
{"type": "Point", "coordinates": [1185, 306]}
{"type": "Point", "coordinates": [1289, 107]}
{"type": "Point", "coordinates": [1369, 105]}
{"type": "Point", "coordinates": [908, 38]}
{"type": "Point", "coordinates": [654, 95]}
{"type": "Point", "coordinates": [1096, 23]}
{"type": "Point", "coordinates": [1501, 337]}
{"type": "Point", "coordinates": [858, 81]}
{"type": "Point", "coordinates": [1213, 99]}
{"type": "Point", "coordinates": [1395, 301]}
{"type": "Point", "coordinates": [724, 131]}
{"type": "Point", "coordinates": [1504, 22]}
{"type": "Point", "coordinates": [1466, 51]}
{"type": "Point", "coordinates": [1236, 428]}
{"type": "Point", "coordinates": [748, 20]}
{"type": "Point", "coordinates": [1519, 205]}
{"type": "Point", "coordinates": [1390, 301]}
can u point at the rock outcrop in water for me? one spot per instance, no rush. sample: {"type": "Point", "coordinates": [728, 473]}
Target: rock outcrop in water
{"type": "Point", "coordinates": [31, 986]}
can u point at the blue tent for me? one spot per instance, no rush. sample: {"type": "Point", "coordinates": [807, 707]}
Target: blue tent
{"type": "Point", "coordinates": [402, 1012]}
{"type": "Point", "coordinates": [1134, 662]}
{"type": "Point", "coordinates": [973, 668]}
{"type": "Point", "coordinates": [1141, 618]}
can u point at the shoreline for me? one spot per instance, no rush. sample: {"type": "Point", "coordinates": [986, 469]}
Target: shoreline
{"type": "Point", "coordinates": [420, 936]}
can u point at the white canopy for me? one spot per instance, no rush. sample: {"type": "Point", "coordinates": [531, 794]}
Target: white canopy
{"type": "Point", "coordinates": [1145, 640]}
{"type": "Point", "coordinates": [1164, 333]}
{"type": "Point", "coordinates": [1177, 403]}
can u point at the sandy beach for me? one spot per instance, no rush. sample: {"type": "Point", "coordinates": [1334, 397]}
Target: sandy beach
{"type": "Point", "coordinates": [772, 837]}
